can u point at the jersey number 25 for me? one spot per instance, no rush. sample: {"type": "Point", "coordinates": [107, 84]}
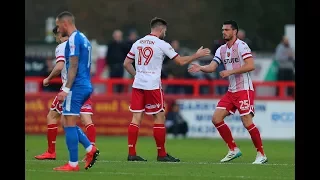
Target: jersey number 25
{"type": "Point", "coordinates": [145, 53]}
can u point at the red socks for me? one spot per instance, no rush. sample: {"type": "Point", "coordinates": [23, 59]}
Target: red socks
{"type": "Point", "coordinates": [159, 134]}
{"type": "Point", "coordinates": [91, 133]}
{"type": "Point", "coordinates": [256, 139]}
{"type": "Point", "coordinates": [51, 137]}
{"type": "Point", "coordinates": [133, 131]}
{"type": "Point", "coordinates": [226, 135]}
{"type": "Point", "coordinates": [53, 132]}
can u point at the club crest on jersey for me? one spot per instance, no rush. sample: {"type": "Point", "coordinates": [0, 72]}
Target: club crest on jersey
{"type": "Point", "coordinates": [228, 54]}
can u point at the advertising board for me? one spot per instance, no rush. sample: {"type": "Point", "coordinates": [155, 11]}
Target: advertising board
{"type": "Point", "coordinates": [275, 119]}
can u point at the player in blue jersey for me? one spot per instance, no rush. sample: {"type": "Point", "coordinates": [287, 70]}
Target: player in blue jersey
{"type": "Point", "coordinates": [76, 91]}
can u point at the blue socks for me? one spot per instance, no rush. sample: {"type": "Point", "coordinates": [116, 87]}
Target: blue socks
{"type": "Point", "coordinates": [83, 139]}
{"type": "Point", "coordinates": [72, 140]}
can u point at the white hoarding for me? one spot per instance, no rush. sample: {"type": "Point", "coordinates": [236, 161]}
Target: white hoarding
{"type": "Point", "coordinates": [275, 119]}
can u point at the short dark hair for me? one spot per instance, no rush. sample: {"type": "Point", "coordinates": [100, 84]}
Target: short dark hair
{"type": "Point", "coordinates": [234, 24]}
{"type": "Point", "coordinates": [55, 30]}
{"type": "Point", "coordinates": [157, 22]}
{"type": "Point", "coordinates": [66, 14]}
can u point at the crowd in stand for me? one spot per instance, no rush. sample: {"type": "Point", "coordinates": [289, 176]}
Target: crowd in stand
{"type": "Point", "coordinates": [109, 63]}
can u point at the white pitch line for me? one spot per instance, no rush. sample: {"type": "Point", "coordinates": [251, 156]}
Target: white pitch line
{"type": "Point", "coordinates": [153, 174]}
{"type": "Point", "coordinates": [214, 163]}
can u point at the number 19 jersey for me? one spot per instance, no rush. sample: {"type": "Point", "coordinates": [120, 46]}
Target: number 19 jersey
{"type": "Point", "coordinates": [148, 54]}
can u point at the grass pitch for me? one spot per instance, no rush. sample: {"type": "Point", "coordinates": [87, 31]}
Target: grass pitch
{"type": "Point", "coordinates": [199, 161]}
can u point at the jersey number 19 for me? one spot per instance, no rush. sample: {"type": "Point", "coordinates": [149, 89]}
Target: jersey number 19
{"type": "Point", "coordinates": [145, 53]}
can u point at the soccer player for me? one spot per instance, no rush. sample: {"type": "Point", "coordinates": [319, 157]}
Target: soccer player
{"type": "Point", "coordinates": [238, 62]}
{"type": "Point", "coordinates": [76, 91]}
{"type": "Point", "coordinates": [147, 94]}
{"type": "Point", "coordinates": [56, 106]}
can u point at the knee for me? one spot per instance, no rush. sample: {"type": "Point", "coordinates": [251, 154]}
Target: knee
{"type": "Point", "coordinates": [70, 121]}
{"type": "Point", "coordinates": [86, 119]}
{"type": "Point", "coordinates": [219, 115]}
{"type": "Point", "coordinates": [137, 118]}
{"type": "Point", "coordinates": [159, 118]}
{"type": "Point", "coordinates": [246, 120]}
{"type": "Point", "coordinates": [216, 118]}
{"type": "Point", "coordinates": [52, 118]}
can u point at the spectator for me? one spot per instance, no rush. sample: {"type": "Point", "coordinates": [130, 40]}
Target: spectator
{"type": "Point", "coordinates": [216, 45]}
{"type": "Point", "coordinates": [284, 55]}
{"type": "Point", "coordinates": [115, 56]}
{"type": "Point", "coordinates": [94, 57]}
{"type": "Point", "coordinates": [175, 123]}
{"type": "Point", "coordinates": [242, 36]}
{"type": "Point", "coordinates": [132, 38]}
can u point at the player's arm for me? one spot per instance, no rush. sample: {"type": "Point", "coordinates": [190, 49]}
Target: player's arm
{"type": "Point", "coordinates": [247, 67]}
{"type": "Point", "coordinates": [56, 70]}
{"type": "Point", "coordinates": [209, 68]}
{"type": "Point", "coordinates": [129, 67]}
{"type": "Point", "coordinates": [247, 57]}
{"type": "Point", "coordinates": [127, 64]}
{"type": "Point", "coordinates": [182, 60]}
{"type": "Point", "coordinates": [74, 45]}
{"type": "Point", "coordinates": [214, 63]}
{"type": "Point", "coordinates": [60, 61]}
{"type": "Point", "coordinates": [72, 71]}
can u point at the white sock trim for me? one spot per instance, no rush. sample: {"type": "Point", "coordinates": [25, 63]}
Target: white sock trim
{"type": "Point", "coordinates": [73, 164]}
{"type": "Point", "coordinates": [89, 148]}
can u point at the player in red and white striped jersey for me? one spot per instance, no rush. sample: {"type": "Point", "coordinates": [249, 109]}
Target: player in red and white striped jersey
{"type": "Point", "coordinates": [238, 61]}
{"type": "Point", "coordinates": [147, 95]}
{"type": "Point", "coordinates": [56, 107]}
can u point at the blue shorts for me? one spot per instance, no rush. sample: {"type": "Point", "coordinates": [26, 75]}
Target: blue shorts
{"type": "Point", "coordinates": [74, 101]}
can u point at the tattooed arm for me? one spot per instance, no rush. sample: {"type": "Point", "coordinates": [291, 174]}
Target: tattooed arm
{"type": "Point", "coordinates": [72, 71]}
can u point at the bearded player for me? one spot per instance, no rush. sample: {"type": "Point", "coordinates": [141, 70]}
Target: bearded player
{"type": "Point", "coordinates": [238, 62]}
{"type": "Point", "coordinates": [56, 107]}
{"type": "Point", "coordinates": [76, 91]}
{"type": "Point", "coordinates": [147, 94]}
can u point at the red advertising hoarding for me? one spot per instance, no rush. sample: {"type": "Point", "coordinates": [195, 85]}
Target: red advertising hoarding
{"type": "Point", "coordinates": [111, 115]}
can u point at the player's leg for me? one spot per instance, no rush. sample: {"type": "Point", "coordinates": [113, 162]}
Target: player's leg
{"type": "Point", "coordinates": [85, 116]}
{"type": "Point", "coordinates": [86, 119]}
{"type": "Point", "coordinates": [155, 106]}
{"type": "Point", "coordinates": [90, 148]}
{"type": "Point", "coordinates": [224, 108]}
{"type": "Point", "coordinates": [246, 109]}
{"type": "Point", "coordinates": [71, 113]}
{"type": "Point", "coordinates": [83, 139]}
{"type": "Point", "coordinates": [137, 108]}
{"type": "Point", "coordinates": [52, 131]}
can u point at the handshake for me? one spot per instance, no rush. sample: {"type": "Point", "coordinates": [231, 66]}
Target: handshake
{"type": "Point", "coordinates": [201, 52]}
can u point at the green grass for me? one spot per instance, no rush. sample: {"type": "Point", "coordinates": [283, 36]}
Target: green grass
{"type": "Point", "coordinates": [199, 160]}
